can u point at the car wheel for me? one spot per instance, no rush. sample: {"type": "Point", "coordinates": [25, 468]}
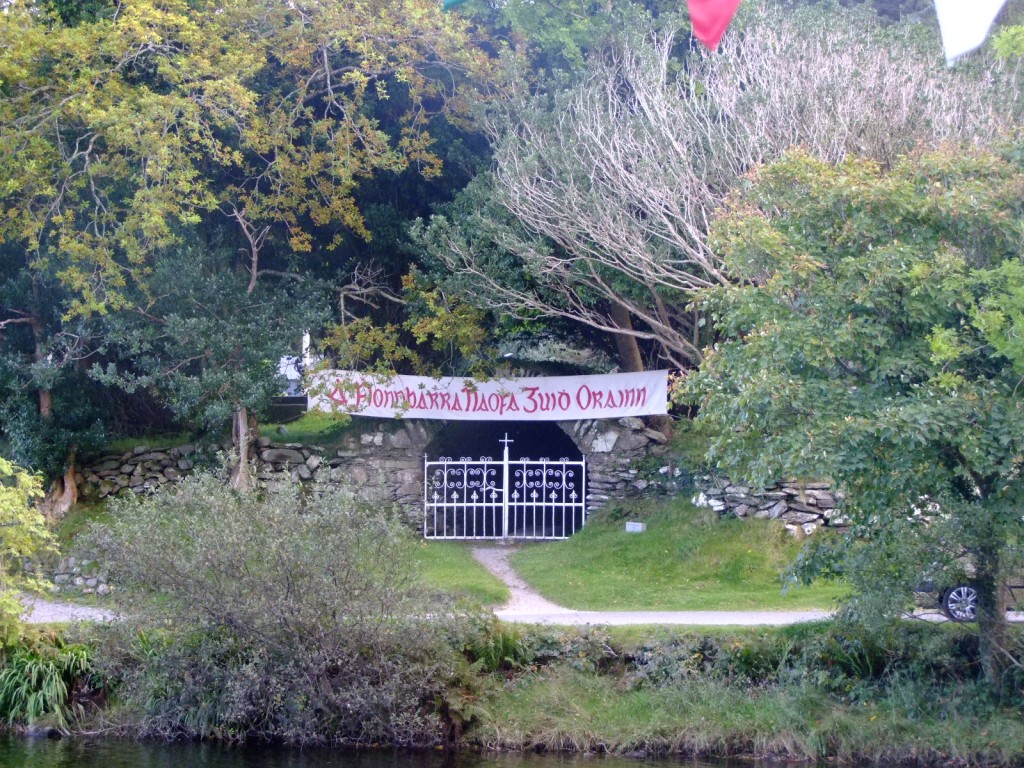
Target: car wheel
{"type": "Point", "coordinates": [961, 603]}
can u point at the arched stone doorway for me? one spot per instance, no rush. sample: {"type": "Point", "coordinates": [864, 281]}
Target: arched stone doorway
{"type": "Point", "coordinates": [529, 440]}
{"type": "Point", "coordinates": [490, 480]}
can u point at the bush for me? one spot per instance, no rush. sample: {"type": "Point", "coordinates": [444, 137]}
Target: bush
{"type": "Point", "coordinates": [498, 647]}
{"type": "Point", "coordinates": [585, 649]}
{"type": "Point", "coordinates": [278, 617]}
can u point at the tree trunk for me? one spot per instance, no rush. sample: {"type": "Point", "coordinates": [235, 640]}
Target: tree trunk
{"type": "Point", "coordinates": [631, 361]}
{"type": "Point", "coordinates": [45, 395]}
{"type": "Point", "coordinates": [63, 494]}
{"type": "Point", "coordinates": [992, 627]}
{"type": "Point", "coordinates": [46, 403]}
{"type": "Point", "coordinates": [243, 434]}
{"type": "Point", "coordinates": [64, 491]}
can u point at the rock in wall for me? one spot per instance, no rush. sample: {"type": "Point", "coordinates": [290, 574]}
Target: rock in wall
{"type": "Point", "coordinates": [803, 507]}
{"type": "Point", "coordinates": [381, 463]}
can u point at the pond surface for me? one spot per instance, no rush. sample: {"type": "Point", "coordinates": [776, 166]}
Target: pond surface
{"type": "Point", "coordinates": [17, 752]}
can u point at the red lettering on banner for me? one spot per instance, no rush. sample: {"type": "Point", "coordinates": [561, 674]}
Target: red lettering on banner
{"type": "Point", "coordinates": [593, 399]}
{"type": "Point", "coordinates": [531, 396]}
{"type": "Point", "coordinates": [587, 399]}
{"type": "Point", "coordinates": [547, 401]}
{"type": "Point", "coordinates": [338, 394]}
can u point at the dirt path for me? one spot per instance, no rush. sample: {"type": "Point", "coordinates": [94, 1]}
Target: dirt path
{"type": "Point", "coordinates": [527, 606]}
{"type": "Point", "coordinates": [40, 611]}
{"type": "Point", "coordinates": [524, 606]}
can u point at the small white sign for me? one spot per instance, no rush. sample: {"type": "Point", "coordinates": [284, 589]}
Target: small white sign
{"type": "Point", "coordinates": [636, 527]}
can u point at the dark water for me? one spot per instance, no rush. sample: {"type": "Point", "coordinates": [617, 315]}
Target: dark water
{"type": "Point", "coordinates": [16, 752]}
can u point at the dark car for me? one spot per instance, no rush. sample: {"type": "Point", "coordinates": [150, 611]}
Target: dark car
{"type": "Point", "coordinates": [959, 602]}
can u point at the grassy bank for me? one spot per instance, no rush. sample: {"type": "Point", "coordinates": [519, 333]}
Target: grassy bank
{"type": "Point", "coordinates": [367, 656]}
{"type": "Point", "coordinates": [687, 560]}
{"type": "Point", "coordinates": [566, 709]}
{"type": "Point", "coordinates": [797, 694]}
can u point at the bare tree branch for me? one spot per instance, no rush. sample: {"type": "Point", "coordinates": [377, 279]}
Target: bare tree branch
{"type": "Point", "coordinates": [624, 173]}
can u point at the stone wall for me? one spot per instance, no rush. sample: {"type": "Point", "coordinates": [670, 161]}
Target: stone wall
{"type": "Point", "coordinates": [381, 463]}
{"type": "Point", "coordinates": [803, 507]}
{"type": "Point", "coordinates": [138, 470]}
{"type": "Point", "coordinates": [614, 449]}
{"type": "Point", "coordinates": [384, 464]}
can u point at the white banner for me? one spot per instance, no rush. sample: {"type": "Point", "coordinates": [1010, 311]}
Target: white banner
{"type": "Point", "coordinates": [550, 398]}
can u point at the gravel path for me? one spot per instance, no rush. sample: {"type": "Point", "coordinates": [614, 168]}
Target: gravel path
{"type": "Point", "coordinates": [39, 611]}
{"type": "Point", "coordinates": [526, 606]}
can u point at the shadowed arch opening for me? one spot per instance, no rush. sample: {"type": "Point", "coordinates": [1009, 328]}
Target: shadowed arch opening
{"type": "Point", "coordinates": [472, 492]}
{"type": "Point", "coordinates": [530, 440]}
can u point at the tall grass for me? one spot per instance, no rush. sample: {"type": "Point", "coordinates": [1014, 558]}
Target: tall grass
{"type": "Point", "coordinates": [564, 709]}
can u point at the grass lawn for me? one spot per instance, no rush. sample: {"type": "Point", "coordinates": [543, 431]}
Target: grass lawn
{"type": "Point", "coordinates": [687, 560]}
{"type": "Point", "coordinates": [450, 566]}
{"type": "Point", "coordinates": [311, 428]}
{"type": "Point", "coordinates": [77, 521]}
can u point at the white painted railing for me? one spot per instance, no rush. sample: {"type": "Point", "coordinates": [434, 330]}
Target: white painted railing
{"type": "Point", "coordinates": [486, 499]}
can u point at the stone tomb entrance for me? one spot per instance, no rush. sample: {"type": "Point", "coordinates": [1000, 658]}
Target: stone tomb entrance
{"type": "Point", "coordinates": [519, 466]}
{"type": "Point", "coordinates": [521, 480]}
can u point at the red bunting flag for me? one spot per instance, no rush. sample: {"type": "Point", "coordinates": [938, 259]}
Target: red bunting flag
{"type": "Point", "coordinates": [710, 18]}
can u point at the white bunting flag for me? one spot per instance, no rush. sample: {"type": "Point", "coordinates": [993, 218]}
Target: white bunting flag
{"type": "Point", "coordinates": [965, 24]}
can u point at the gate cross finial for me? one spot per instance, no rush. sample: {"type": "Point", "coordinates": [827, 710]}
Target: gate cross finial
{"type": "Point", "coordinates": [506, 440]}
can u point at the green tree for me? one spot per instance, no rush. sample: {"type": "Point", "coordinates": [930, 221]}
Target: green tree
{"type": "Point", "coordinates": [207, 345]}
{"type": "Point", "coordinates": [50, 411]}
{"type": "Point", "coordinates": [23, 533]}
{"type": "Point", "coordinates": [129, 130]}
{"type": "Point", "coordinates": [868, 339]}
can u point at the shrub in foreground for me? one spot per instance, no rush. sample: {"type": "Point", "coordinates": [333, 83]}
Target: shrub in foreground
{"type": "Point", "coordinates": [274, 617]}
{"type": "Point", "coordinates": [46, 676]}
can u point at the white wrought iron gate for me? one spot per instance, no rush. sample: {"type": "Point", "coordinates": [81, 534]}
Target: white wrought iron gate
{"type": "Point", "coordinates": [487, 499]}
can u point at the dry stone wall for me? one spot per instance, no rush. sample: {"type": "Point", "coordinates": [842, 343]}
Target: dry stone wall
{"type": "Point", "coordinates": [803, 507]}
{"type": "Point", "coordinates": [614, 449]}
{"type": "Point", "coordinates": [381, 463]}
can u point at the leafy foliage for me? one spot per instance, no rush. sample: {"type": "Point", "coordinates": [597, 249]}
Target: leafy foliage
{"type": "Point", "coordinates": [23, 534]}
{"type": "Point", "coordinates": [40, 679]}
{"type": "Point", "coordinates": [274, 617]}
{"type": "Point", "coordinates": [858, 345]}
{"type": "Point", "coordinates": [165, 114]}
{"type": "Point", "coordinates": [599, 200]}
{"type": "Point", "coordinates": [203, 342]}
{"type": "Point", "coordinates": [148, 139]}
